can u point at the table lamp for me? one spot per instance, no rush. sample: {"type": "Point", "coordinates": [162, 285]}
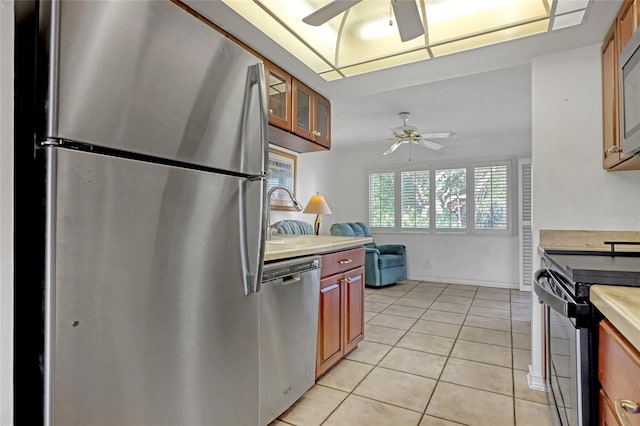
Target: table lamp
{"type": "Point", "coordinates": [317, 205]}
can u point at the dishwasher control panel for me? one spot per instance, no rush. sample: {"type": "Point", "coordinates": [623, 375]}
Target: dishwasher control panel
{"type": "Point", "coordinates": [273, 271]}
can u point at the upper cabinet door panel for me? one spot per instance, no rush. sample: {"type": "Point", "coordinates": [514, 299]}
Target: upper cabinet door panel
{"type": "Point", "coordinates": [626, 23]}
{"type": "Point", "coordinates": [278, 96]}
{"type": "Point", "coordinates": [609, 103]}
{"type": "Point", "coordinates": [302, 110]}
{"type": "Point", "coordinates": [148, 77]}
{"type": "Point", "coordinates": [322, 128]}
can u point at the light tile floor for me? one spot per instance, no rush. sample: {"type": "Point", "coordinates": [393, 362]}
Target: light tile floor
{"type": "Point", "coordinates": [433, 354]}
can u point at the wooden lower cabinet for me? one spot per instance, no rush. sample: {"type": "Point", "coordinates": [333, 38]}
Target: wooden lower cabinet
{"type": "Point", "coordinates": [619, 375]}
{"type": "Point", "coordinates": [341, 310]}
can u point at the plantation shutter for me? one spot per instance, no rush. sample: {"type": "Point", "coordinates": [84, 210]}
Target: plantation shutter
{"type": "Point", "coordinates": [491, 197]}
{"type": "Point", "coordinates": [382, 200]}
{"type": "Point", "coordinates": [526, 237]}
{"type": "Point", "coordinates": [414, 199]}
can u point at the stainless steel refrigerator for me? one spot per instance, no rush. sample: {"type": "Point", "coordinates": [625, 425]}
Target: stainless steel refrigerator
{"type": "Point", "coordinates": [156, 155]}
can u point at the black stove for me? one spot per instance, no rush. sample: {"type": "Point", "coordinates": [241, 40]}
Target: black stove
{"type": "Point", "coordinates": [571, 342]}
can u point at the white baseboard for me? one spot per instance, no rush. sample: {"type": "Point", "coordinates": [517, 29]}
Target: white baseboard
{"type": "Point", "coordinates": [536, 382]}
{"type": "Point", "coordinates": [480, 283]}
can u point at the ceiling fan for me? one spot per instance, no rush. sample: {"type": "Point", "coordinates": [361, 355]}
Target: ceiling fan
{"type": "Point", "coordinates": [405, 11]}
{"type": "Point", "coordinates": [409, 134]}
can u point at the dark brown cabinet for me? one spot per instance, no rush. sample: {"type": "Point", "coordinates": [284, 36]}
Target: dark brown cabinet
{"type": "Point", "coordinates": [341, 309]}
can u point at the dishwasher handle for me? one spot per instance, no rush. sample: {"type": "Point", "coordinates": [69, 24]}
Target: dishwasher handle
{"type": "Point", "coordinates": [291, 279]}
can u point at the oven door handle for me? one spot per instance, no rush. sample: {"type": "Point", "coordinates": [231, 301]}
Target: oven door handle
{"type": "Point", "coordinates": [566, 307]}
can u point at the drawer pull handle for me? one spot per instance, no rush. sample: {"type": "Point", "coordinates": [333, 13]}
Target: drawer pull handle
{"type": "Point", "coordinates": [625, 405]}
{"type": "Point", "coordinates": [331, 287]}
{"type": "Point", "coordinates": [345, 261]}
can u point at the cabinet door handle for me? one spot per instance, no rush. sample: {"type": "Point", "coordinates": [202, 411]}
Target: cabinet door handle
{"type": "Point", "coordinates": [331, 287]}
{"type": "Point", "coordinates": [624, 406]}
{"type": "Point", "coordinates": [345, 261]}
{"type": "Point", "coordinates": [614, 149]}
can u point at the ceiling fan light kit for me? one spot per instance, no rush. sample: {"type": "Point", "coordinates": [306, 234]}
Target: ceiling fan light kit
{"type": "Point", "coordinates": [409, 134]}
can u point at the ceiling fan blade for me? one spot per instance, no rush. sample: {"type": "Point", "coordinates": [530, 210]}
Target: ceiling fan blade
{"type": "Point", "coordinates": [393, 147]}
{"type": "Point", "coordinates": [436, 135]}
{"type": "Point", "coordinates": [329, 11]}
{"type": "Point", "coordinates": [408, 19]}
{"type": "Point", "coordinates": [431, 144]}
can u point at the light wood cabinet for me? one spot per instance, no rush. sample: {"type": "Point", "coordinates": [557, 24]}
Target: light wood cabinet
{"type": "Point", "coordinates": [622, 29]}
{"type": "Point", "coordinates": [278, 96]}
{"type": "Point", "coordinates": [341, 309]}
{"type": "Point", "coordinates": [311, 115]}
{"type": "Point", "coordinates": [619, 375]}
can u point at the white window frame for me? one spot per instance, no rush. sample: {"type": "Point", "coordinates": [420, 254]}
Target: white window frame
{"type": "Point", "coordinates": [470, 222]}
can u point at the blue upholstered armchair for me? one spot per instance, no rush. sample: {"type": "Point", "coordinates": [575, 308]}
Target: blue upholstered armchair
{"type": "Point", "coordinates": [293, 227]}
{"type": "Point", "coordinates": [384, 264]}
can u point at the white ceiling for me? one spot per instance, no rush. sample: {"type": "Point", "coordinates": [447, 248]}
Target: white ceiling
{"type": "Point", "coordinates": [480, 94]}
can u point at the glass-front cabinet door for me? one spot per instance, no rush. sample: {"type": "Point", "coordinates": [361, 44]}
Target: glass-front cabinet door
{"type": "Point", "coordinates": [302, 110]}
{"type": "Point", "coordinates": [322, 123]}
{"type": "Point", "coordinates": [278, 96]}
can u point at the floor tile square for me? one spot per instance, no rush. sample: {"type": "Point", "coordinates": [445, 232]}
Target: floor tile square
{"type": "Point", "coordinates": [456, 292]}
{"type": "Point", "coordinates": [393, 321]}
{"type": "Point", "coordinates": [415, 303]}
{"type": "Point", "coordinates": [378, 334]}
{"type": "Point", "coordinates": [463, 287]}
{"type": "Point", "coordinates": [494, 290]}
{"type": "Point", "coordinates": [414, 362]}
{"type": "Point", "coordinates": [369, 352]}
{"type": "Point", "coordinates": [470, 406]}
{"type": "Point", "coordinates": [436, 328]}
{"type": "Point", "coordinates": [490, 312]}
{"type": "Point", "coordinates": [485, 335]}
{"type": "Point", "coordinates": [405, 285]}
{"type": "Point", "coordinates": [521, 341]}
{"type": "Point", "coordinates": [426, 343]}
{"type": "Point", "coordinates": [521, 359]}
{"type": "Point", "coordinates": [493, 296]}
{"type": "Point", "coordinates": [371, 306]}
{"type": "Point", "coordinates": [314, 406]}
{"type": "Point", "coordinates": [482, 352]}
{"type": "Point", "coordinates": [397, 388]}
{"type": "Point", "coordinates": [522, 391]}
{"type": "Point", "coordinates": [495, 304]}
{"type": "Point", "coordinates": [448, 317]}
{"type": "Point", "coordinates": [359, 411]}
{"type": "Point", "coordinates": [478, 375]}
{"type": "Point", "coordinates": [404, 311]}
{"type": "Point", "coordinates": [345, 375]}
{"type": "Point", "coordinates": [455, 299]}
{"type": "Point", "coordinates": [391, 291]}
{"type": "Point", "coordinates": [532, 413]}
{"type": "Point", "coordinates": [375, 297]}
{"type": "Point", "coordinates": [439, 305]}
{"type": "Point", "coordinates": [435, 421]}
{"type": "Point", "coordinates": [422, 295]}
{"type": "Point", "coordinates": [488, 322]}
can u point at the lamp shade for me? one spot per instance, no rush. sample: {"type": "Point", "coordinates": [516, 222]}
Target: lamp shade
{"type": "Point", "coordinates": [317, 205]}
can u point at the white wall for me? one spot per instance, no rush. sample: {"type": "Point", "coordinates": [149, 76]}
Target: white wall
{"type": "Point", "coordinates": [570, 188]}
{"type": "Point", "coordinates": [464, 259]}
{"type": "Point", "coordinates": [6, 212]}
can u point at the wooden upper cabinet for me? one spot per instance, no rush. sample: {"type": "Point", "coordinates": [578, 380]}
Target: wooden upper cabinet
{"type": "Point", "coordinates": [302, 118]}
{"type": "Point", "coordinates": [278, 96]}
{"type": "Point", "coordinates": [322, 119]}
{"type": "Point", "coordinates": [626, 22]}
{"type": "Point", "coordinates": [610, 140]}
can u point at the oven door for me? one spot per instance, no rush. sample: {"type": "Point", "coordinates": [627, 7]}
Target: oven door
{"type": "Point", "coordinates": [569, 354]}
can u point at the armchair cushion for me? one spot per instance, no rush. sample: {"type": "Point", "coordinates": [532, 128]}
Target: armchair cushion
{"type": "Point", "coordinates": [293, 227]}
{"type": "Point", "coordinates": [384, 264]}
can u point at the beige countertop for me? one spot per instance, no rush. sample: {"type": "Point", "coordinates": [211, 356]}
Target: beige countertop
{"type": "Point", "coordinates": [567, 239]}
{"type": "Point", "coordinates": [621, 306]}
{"type": "Point", "coordinates": [283, 247]}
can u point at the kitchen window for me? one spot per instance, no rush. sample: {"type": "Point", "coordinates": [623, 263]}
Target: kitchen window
{"type": "Point", "coordinates": [474, 197]}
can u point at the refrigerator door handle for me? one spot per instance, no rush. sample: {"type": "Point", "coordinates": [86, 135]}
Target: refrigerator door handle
{"type": "Point", "coordinates": [252, 281]}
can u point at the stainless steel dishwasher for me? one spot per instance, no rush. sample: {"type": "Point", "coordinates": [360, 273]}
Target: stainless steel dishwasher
{"type": "Point", "coordinates": [288, 333]}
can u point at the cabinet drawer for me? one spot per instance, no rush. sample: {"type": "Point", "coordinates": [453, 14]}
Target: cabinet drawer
{"type": "Point", "coordinates": [618, 368]}
{"type": "Point", "coordinates": [341, 261]}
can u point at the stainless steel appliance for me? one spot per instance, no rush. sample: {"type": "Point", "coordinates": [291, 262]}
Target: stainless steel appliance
{"type": "Point", "coordinates": [288, 333]}
{"type": "Point", "coordinates": [155, 148]}
{"type": "Point", "coordinates": [571, 325]}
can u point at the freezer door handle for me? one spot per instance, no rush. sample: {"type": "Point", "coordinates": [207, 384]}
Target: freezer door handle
{"type": "Point", "coordinates": [252, 273]}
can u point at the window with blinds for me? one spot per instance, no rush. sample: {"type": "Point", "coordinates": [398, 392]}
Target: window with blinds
{"type": "Point", "coordinates": [414, 197]}
{"type": "Point", "coordinates": [491, 197]}
{"type": "Point", "coordinates": [474, 197]}
{"type": "Point", "coordinates": [451, 198]}
{"type": "Point", "coordinates": [382, 200]}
